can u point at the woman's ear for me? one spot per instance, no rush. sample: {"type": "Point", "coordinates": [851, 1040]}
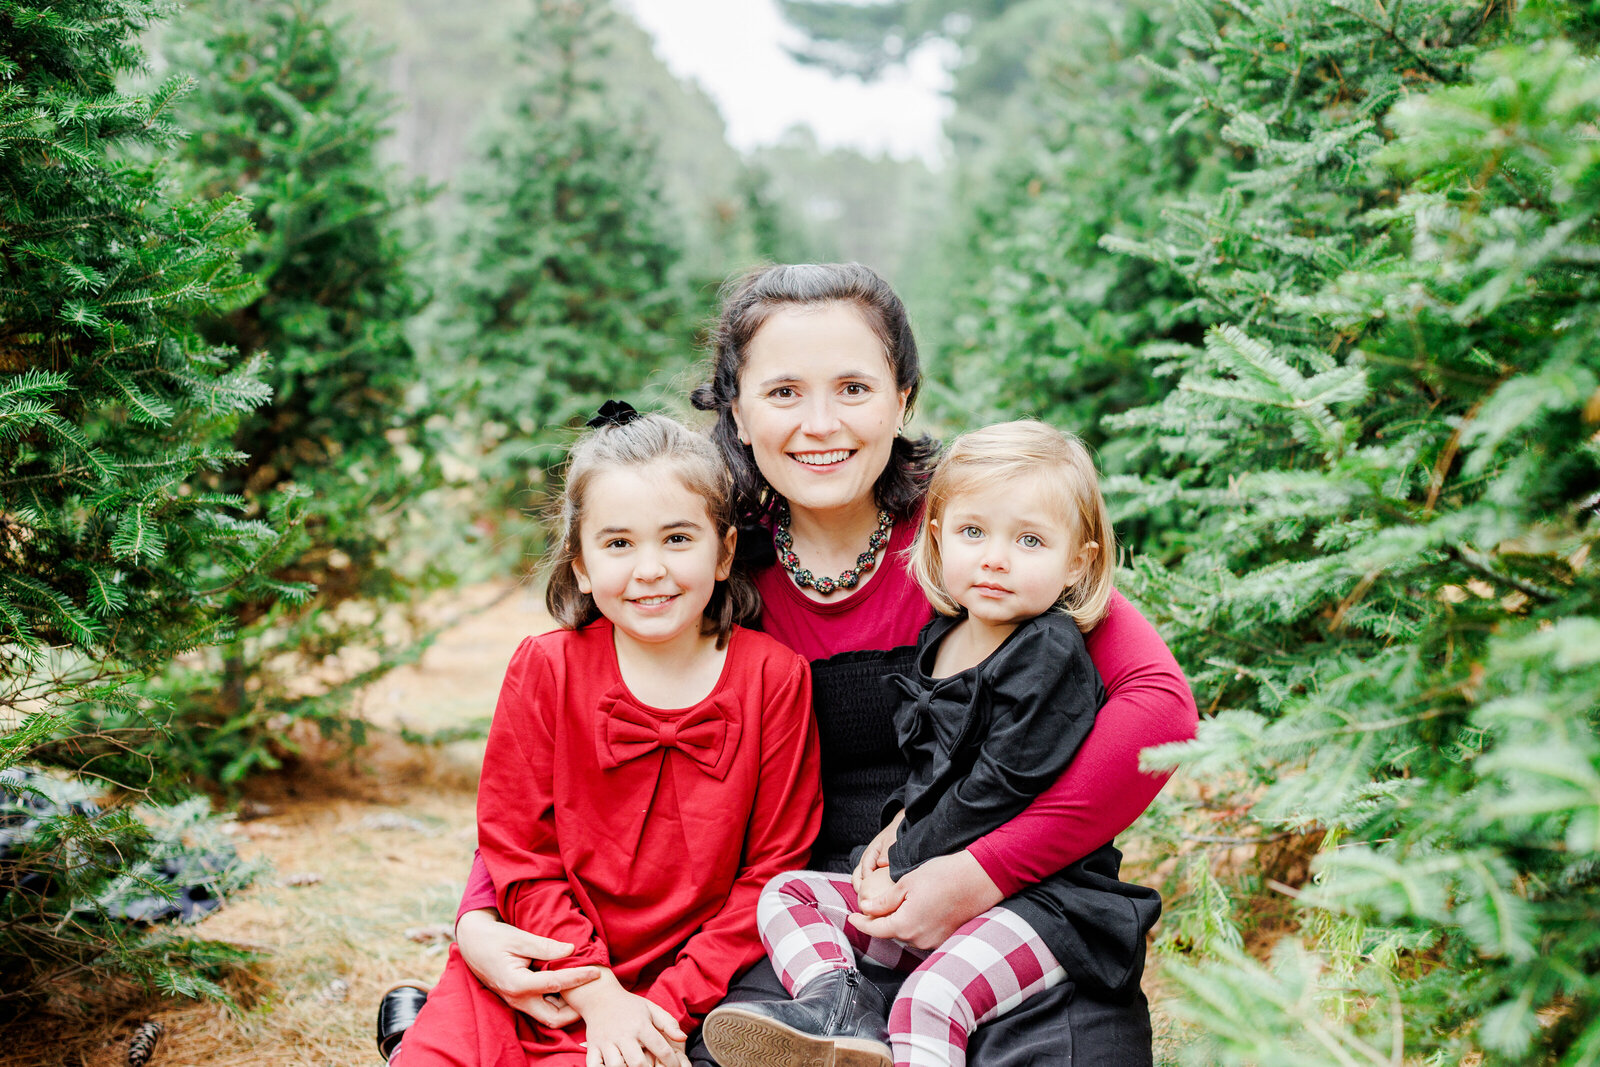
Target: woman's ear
{"type": "Point", "coordinates": [738, 424]}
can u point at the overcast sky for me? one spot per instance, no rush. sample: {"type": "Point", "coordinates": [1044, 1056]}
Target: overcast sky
{"type": "Point", "coordinates": [733, 48]}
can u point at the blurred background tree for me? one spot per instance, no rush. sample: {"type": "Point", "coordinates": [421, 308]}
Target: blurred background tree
{"type": "Point", "coordinates": [289, 113]}
{"type": "Point", "coordinates": [569, 284]}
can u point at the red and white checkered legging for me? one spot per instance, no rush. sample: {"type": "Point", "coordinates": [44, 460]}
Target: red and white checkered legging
{"type": "Point", "coordinates": [986, 968]}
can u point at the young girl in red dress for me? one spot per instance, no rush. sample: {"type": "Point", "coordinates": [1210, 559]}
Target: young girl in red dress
{"type": "Point", "coordinates": [650, 767]}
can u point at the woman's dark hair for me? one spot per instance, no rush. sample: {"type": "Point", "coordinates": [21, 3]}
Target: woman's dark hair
{"type": "Point", "coordinates": [748, 302]}
{"type": "Point", "coordinates": [647, 439]}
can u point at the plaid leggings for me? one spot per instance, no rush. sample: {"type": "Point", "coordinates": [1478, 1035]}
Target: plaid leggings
{"type": "Point", "coordinates": [986, 968]}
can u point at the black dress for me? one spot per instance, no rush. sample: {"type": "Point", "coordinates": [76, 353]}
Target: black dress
{"type": "Point", "coordinates": [862, 767]}
{"type": "Point", "coordinates": [983, 743]}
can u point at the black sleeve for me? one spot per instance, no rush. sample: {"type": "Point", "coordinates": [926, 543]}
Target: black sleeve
{"type": "Point", "coordinates": [1045, 692]}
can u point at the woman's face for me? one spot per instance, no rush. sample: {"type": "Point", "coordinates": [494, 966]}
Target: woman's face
{"type": "Point", "coordinates": [818, 406]}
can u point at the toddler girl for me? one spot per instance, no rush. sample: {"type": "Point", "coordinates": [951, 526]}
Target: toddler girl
{"type": "Point", "coordinates": [1015, 552]}
{"type": "Point", "coordinates": [650, 767]}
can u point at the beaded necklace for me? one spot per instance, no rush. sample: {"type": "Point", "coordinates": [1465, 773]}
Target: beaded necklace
{"type": "Point", "coordinates": [784, 543]}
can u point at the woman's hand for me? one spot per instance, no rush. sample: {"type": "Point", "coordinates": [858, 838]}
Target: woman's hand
{"type": "Point", "coordinates": [877, 852]}
{"type": "Point", "coordinates": [499, 954]}
{"type": "Point", "coordinates": [940, 897]}
{"type": "Point", "coordinates": [626, 1030]}
{"type": "Point", "coordinates": [879, 894]}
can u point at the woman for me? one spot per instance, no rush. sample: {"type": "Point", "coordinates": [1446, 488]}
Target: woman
{"type": "Point", "coordinates": [815, 372]}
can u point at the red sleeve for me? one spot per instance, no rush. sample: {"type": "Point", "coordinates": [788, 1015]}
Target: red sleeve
{"type": "Point", "coordinates": [516, 812]}
{"type": "Point", "coordinates": [480, 888]}
{"type": "Point", "coordinates": [1102, 791]}
{"type": "Point", "coordinates": [784, 820]}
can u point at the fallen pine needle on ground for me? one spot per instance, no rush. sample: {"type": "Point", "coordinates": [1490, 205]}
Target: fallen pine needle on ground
{"type": "Point", "coordinates": [367, 850]}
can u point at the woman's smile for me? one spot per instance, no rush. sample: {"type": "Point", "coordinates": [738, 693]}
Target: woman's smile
{"type": "Point", "coordinates": [823, 459]}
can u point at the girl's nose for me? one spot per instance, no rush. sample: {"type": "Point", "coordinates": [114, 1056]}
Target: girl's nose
{"type": "Point", "coordinates": [648, 567]}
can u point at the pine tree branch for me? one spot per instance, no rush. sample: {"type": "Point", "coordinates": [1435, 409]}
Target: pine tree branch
{"type": "Point", "coordinates": [1222, 840]}
{"type": "Point", "coordinates": [1422, 61]}
{"type": "Point", "coordinates": [1447, 455]}
{"type": "Point", "coordinates": [1422, 366]}
{"type": "Point", "coordinates": [1484, 564]}
{"type": "Point", "coordinates": [1337, 622]}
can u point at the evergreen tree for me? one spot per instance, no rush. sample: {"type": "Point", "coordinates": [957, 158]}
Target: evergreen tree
{"type": "Point", "coordinates": [1044, 322]}
{"type": "Point", "coordinates": [853, 207]}
{"type": "Point", "coordinates": [1386, 470]}
{"type": "Point", "coordinates": [568, 291]}
{"type": "Point", "coordinates": [288, 113]}
{"type": "Point", "coordinates": [117, 551]}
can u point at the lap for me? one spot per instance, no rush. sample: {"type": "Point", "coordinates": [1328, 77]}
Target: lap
{"type": "Point", "coordinates": [1056, 1028]}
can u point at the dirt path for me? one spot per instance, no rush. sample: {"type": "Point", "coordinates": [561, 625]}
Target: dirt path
{"type": "Point", "coordinates": [380, 846]}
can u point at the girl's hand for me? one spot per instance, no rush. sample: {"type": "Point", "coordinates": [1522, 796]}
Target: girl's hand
{"type": "Point", "coordinates": [499, 954]}
{"type": "Point", "coordinates": [626, 1030]}
{"type": "Point", "coordinates": [941, 896]}
{"type": "Point", "coordinates": [877, 852]}
{"type": "Point", "coordinates": [880, 894]}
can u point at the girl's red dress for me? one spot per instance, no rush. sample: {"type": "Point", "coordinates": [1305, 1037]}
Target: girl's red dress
{"type": "Point", "coordinates": [641, 835]}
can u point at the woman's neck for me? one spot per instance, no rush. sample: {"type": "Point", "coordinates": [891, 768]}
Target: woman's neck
{"type": "Point", "coordinates": [676, 673]}
{"type": "Point", "coordinates": [829, 541]}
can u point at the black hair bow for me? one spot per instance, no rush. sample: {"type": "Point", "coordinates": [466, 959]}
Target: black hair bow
{"type": "Point", "coordinates": [614, 413]}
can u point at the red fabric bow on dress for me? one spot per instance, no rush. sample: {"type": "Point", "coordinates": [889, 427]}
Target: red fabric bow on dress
{"type": "Point", "coordinates": [704, 733]}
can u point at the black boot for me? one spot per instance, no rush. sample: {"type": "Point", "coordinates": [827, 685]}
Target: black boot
{"type": "Point", "coordinates": [837, 1020]}
{"type": "Point", "coordinates": [397, 1010]}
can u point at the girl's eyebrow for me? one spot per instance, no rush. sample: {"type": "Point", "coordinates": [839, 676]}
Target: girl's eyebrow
{"type": "Point", "coordinates": [678, 524]}
{"type": "Point", "coordinates": [1027, 522]}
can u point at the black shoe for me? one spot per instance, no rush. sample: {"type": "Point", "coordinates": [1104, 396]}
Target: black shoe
{"type": "Point", "coordinates": [397, 1010]}
{"type": "Point", "coordinates": [837, 1020]}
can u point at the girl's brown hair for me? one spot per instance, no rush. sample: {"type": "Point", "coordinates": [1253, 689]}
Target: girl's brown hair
{"type": "Point", "coordinates": [644, 440]}
{"type": "Point", "coordinates": [1045, 460]}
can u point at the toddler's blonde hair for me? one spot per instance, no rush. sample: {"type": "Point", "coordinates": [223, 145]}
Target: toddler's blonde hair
{"type": "Point", "coordinates": [1040, 459]}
